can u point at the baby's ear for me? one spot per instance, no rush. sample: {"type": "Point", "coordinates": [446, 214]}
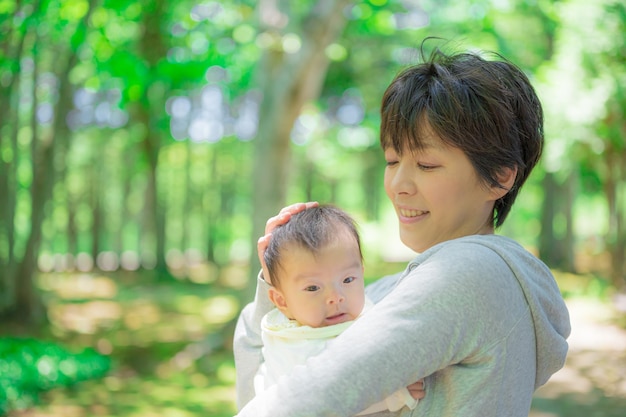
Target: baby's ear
{"type": "Point", "coordinates": [277, 298]}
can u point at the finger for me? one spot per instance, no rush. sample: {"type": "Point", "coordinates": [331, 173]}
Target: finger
{"type": "Point", "coordinates": [273, 222]}
{"type": "Point", "coordinates": [262, 245]}
{"type": "Point", "coordinates": [285, 214]}
{"type": "Point", "coordinates": [418, 395]}
{"type": "Point", "coordinates": [298, 207]}
{"type": "Point", "coordinates": [416, 387]}
{"type": "Point", "coordinates": [263, 242]}
{"type": "Point", "coordinates": [292, 208]}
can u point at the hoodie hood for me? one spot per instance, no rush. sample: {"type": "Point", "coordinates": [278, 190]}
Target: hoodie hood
{"type": "Point", "coordinates": [549, 312]}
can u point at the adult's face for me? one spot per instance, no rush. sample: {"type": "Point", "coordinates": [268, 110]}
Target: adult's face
{"type": "Point", "coordinates": [437, 194]}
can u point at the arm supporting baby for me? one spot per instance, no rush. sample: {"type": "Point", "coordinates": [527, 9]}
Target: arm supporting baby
{"type": "Point", "coordinates": [249, 346]}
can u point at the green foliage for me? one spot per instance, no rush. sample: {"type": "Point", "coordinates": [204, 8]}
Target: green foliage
{"type": "Point", "coordinates": [195, 64]}
{"type": "Point", "coordinates": [169, 344]}
{"type": "Point", "coordinates": [584, 286]}
{"type": "Point", "coordinates": [30, 366]}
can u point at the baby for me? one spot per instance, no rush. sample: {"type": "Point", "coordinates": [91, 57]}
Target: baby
{"type": "Point", "coordinates": [316, 271]}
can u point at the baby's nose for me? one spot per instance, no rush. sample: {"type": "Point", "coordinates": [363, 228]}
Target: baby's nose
{"type": "Point", "coordinates": [336, 297]}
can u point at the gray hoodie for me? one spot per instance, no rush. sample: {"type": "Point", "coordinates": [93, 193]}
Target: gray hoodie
{"type": "Point", "coordinates": [480, 318]}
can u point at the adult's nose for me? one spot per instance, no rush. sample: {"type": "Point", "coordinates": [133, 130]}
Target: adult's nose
{"type": "Point", "coordinates": [402, 179]}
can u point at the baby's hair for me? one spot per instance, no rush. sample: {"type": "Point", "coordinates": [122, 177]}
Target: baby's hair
{"type": "Point", "coordinates": [311, 229]}
{"type": "Point", "coordinates": [486, 108]}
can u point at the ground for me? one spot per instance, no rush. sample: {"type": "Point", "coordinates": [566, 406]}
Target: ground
{"type": "Point", "coordinates": [593, 381]}
{"type": "Point", "coordinates": [167, 367]}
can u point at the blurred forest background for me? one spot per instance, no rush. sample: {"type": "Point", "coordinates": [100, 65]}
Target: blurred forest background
{"type": "Point", "coordinates": [143, 145]}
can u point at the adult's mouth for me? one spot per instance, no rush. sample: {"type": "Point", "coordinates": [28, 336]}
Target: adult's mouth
{"type": "Point", "coordinates": [411, 212]}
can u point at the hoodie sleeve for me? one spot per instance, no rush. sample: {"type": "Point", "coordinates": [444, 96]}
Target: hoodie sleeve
{"type": "Point", "coordinates": [444, 318]}
{"type": "Point", "coordinates": [429, 320]}
{"type": "Point", "coordinates": [247, 343]}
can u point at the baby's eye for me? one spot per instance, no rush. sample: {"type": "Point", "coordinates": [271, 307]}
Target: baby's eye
{"type": "Point", "coordinates": [312, 288]}
{"type": "Point", "coordinates": [349, 280]}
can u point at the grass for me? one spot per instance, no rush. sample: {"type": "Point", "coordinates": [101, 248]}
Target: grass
{"type": "Point", "coordinates": [170, 345]}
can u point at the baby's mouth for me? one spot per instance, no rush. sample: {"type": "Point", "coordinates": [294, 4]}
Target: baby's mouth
{"type": "Point", "coordinates": [337, 318]}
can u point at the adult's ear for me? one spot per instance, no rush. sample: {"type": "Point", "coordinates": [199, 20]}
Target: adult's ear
{"type": "Point", "coordinates": [277, 298]}
{"type": "Point", "coordinates": [506, 180]}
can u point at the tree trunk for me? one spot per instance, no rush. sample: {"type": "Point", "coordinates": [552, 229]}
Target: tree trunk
{"type": "Point", "coordinates": [187, 204]}
{"type": "Point", "coordinates": [288, 81]}
{"type": "Point", "coordinates": [72, 229]}
{"type": "Point", "coordinates": [127, 219]}
{"type": "Point", "coordinates": [613, 188]}
{"type": "Point", "coordinates": [12, 47]}
{"type": "Point", "coordinates": [28, 304]}
{"type": "Point", "coordinates": [49, 158]}
{"type": "Point", "coordinates": [154, 205]}
{"type": "Point", "coordinates": [568, 241]}
{"type": "Point", "coordinates": [96, 207]}
{"type": "Point", "coordinates": [309, 176]}
{"type": "Point", "coordinates": [556, 247]}
{"type": "Point", "coordinates": [153, 49]}
{"type": "Point", "coordinates": [8, 189]}
{"type": "Point", "coordinates": [212, 214]}
{"type": "Point", "coordinates": [372, 184]}
{"type": "Point", "coordinates": [548, 251]}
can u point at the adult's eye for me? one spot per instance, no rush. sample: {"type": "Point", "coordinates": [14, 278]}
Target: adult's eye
{"type": "Point", "coordinates": [425, 167]}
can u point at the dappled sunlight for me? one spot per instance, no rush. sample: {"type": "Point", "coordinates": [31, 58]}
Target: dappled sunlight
{"type": "Point", "coordinates": [65, 410]}
{"type": "Point", "coordinates": [220, 309]}
{"type": "Point", "coordinates": [158, 316]}
{"type": "Point", "coordinates": [235, 276]}
{"type": "Point", "coordinates": [189, 393]}
{"type": "Point", "coordinates": [78, 286]}
{"type": "Point", "coordinates": [594, 328]}
{"type": "Point", "coordinates": [140, 314]}
{"type": "Point", "coordinates": [84, 317]}
{"type": "Point", "coordinates": [593, 379]}
{"type": "Point", "coordinates": [192, 266]}
{"type": "Point", "coordinates": [167, 331]}
{"type": "Point", "coordinates": [132, 182]}
{"type": "Point", "coordinates": [597, 357]}
{"type": "Point", "coordinates": [214, 397]}
{"type": "Point", "coordinates": [202, 273]}
{"type": "Point", "coordinates": [583, 285]}
{"type": "Point", "coordinates": [567, 380]}
{"type": "Point", "coordinates": [168, 342]}
{"type": "Point", "coordinates": [188, 303]}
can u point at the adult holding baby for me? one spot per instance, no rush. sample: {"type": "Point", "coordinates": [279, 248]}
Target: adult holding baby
{"type": "Point", "coordinates": [475, 315]}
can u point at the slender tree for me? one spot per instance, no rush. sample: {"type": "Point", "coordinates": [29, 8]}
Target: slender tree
{"type": "Point", "coordinates": [288, 80]}
{"type": "Point", "coordinates": [50, 150]}
{"type": "Point", "coordinates": [149, 113]}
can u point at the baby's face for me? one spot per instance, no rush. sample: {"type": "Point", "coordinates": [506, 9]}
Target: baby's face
{"type": "Point", "coordinates": [324, 288]}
